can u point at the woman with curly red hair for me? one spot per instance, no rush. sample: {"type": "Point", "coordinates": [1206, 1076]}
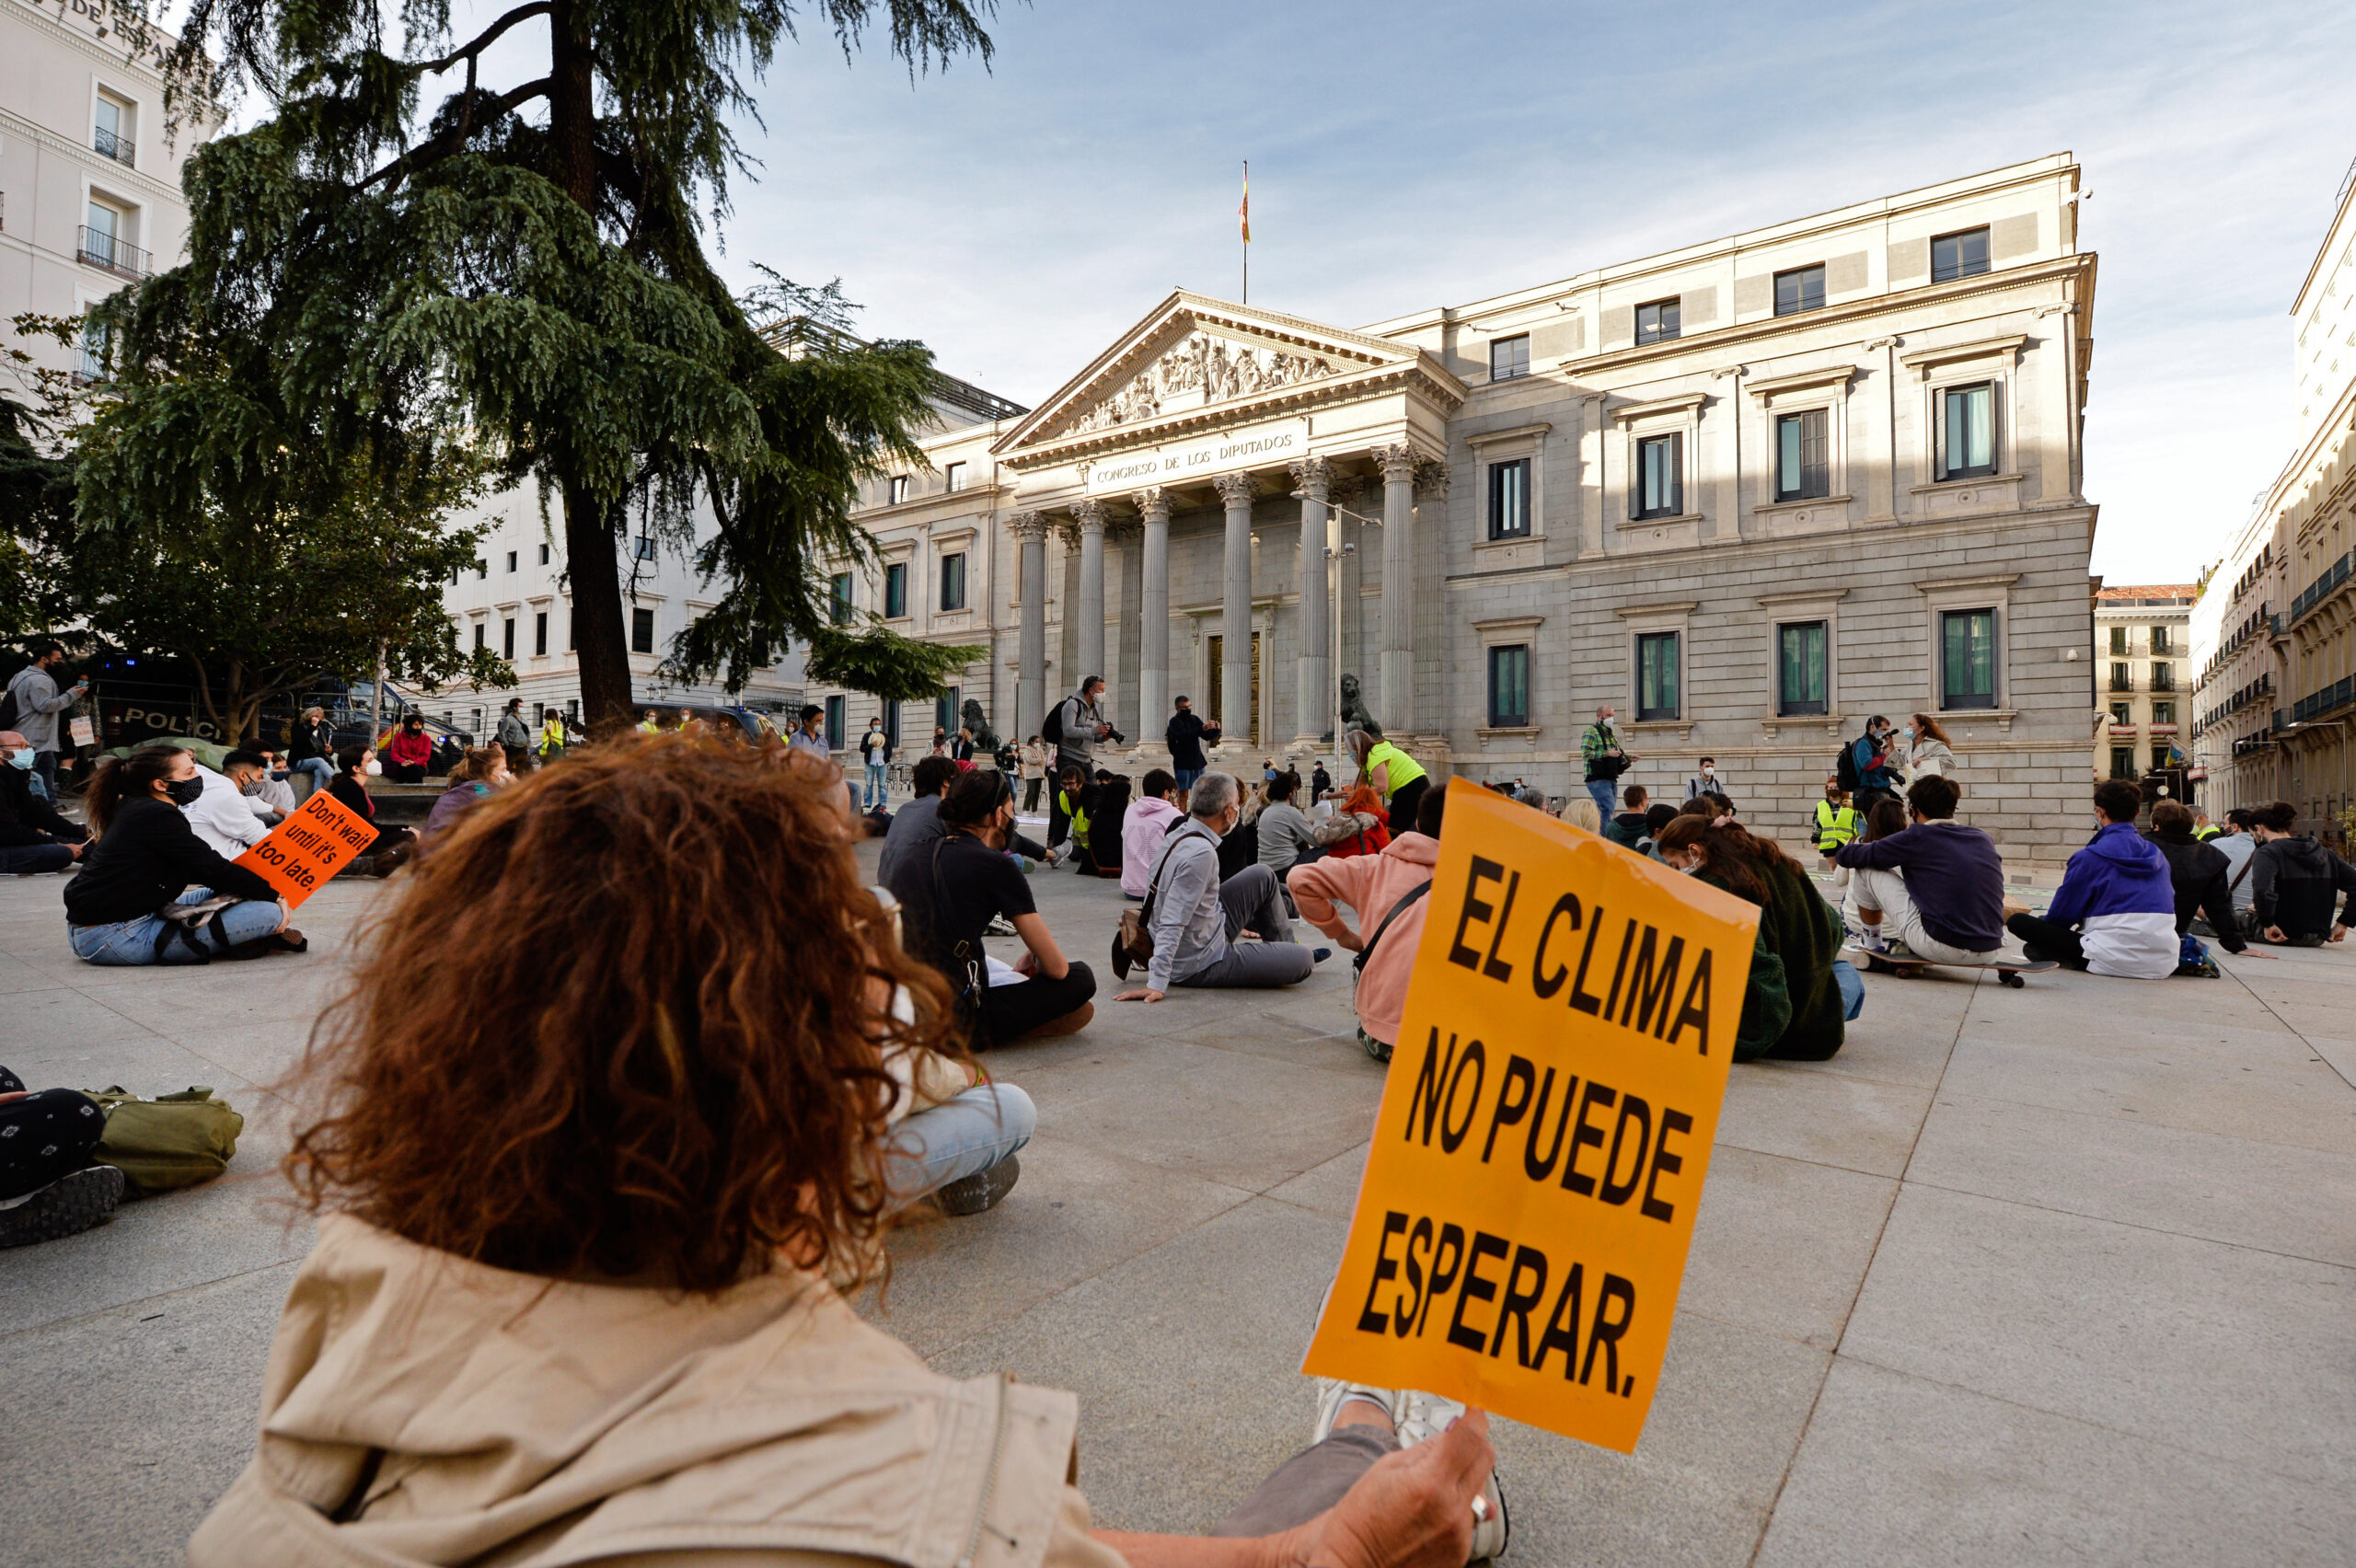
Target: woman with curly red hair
{"type": "Point", "coordinates": [578, 1292]}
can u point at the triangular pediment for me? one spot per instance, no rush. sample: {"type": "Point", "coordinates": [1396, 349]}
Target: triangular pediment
{"type": "Point", "coordinates": [1193, 354]}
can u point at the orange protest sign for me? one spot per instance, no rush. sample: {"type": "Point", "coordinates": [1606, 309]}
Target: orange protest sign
{"type": "Point", "coordinates": [1522, 1226]}
{"type": "Point", "coordinates": [308, 847]}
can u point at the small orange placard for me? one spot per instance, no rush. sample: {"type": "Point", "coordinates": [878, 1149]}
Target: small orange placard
{"type": "Point", "coordinates": [308, 847]}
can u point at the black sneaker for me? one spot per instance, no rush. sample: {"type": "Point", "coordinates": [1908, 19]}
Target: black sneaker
{"type": "Point", "coordinates": [72, 1203]}
{"type": "Point", "coordinates": [981, 1191]}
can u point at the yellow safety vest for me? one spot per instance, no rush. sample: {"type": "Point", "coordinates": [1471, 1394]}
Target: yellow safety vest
{"type": "Point", "coordinates": [1078, 818]}
{"type": "Point", "coordinates": [1405, 769]}
{"type": "Point", "coordinates": [1834, 826]}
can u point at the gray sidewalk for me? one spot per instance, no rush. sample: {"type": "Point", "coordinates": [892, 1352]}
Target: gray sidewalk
{"type": "Point", "coordinates": [2065, 1274]}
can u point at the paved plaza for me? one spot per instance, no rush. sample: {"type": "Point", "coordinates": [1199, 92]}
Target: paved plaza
{"type": "Point", "coordinates": [2065, 1274]}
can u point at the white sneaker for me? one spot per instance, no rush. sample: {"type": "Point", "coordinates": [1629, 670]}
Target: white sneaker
{"type": "Point", "coordinates": [1332, 1394]}
{"type": "Point", "coordinates": [1418, 1417]}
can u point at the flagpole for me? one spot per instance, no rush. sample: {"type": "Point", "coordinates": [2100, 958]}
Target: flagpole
{"type": "Point", "coordinates": [1247, 232]}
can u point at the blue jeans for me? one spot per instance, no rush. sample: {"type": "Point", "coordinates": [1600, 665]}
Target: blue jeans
{"type": "Point", "coordinates": [134, 941]}
{"type": "Point", "coordinates": [1186, 777]}
{"type": "Point", "coordinates": [957, 1138]}
{"type": "Point", "coordinates": [1604, 792]}
{"type": "Point", "coordinates": [1852, 990]}
{"type": "Point", "coordinates": [321, 770]}
{"type": "Point", "coordinates": [875, 789]}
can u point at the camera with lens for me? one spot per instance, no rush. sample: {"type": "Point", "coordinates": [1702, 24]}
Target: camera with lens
{"type": "Point", "coordinates": [1116, 735]}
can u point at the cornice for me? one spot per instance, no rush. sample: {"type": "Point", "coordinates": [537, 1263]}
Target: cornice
{"type": "Point", "coordinates": [2063, 269]}
{"type": "Point", "coordinates": [82, 44]}
{"type": "Point", "coordinates": [1806, 380]}
{"type": "Point", "coordinates": [112, 172]}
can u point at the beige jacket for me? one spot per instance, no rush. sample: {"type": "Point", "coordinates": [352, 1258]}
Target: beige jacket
{"type": "Point", "coordinates": [419, 1409]}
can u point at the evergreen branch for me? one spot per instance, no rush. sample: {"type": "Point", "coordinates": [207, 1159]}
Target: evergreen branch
{"type": "Point", "coordinates": [485, 39]}
{"type": "Point", "coordinates": [428, 152]}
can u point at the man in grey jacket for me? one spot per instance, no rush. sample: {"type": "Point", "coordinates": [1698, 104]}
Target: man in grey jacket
{"type": "Point", "coordinates": [38, 703]}
{"type": "Point", "coordinates": [1196, 917]}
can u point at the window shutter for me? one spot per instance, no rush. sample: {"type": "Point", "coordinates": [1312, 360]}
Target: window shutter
{"type": "Point", "coordinates": [1676, 475]}
{"type": "Point", "coordinates": [1815, 468]}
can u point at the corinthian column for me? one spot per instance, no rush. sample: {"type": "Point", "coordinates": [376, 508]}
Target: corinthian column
{"type": "Point", "coordinates": [1153, 616]}
{"type": "Point", "coordinates": [1397, 709]}
{"type": "Point", "coordinates": [1313, 476]}
{"type": "Point", "coordinates": [1235, 623]}
{"type": "Point", "coordinates": [1031, 673]}
{"type": "Point", "coordinates": [1091, 590]}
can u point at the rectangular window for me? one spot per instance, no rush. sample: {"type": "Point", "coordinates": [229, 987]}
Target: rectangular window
{"type": "Point", "coordinates": [838, 600]}
{"type": "Point", "coordinates": [1968, 431]}
{"type": "Point", "coordinates": [1801, 668]}
{"type": "Point", "coordinates": [570, 645]}
{"type": "Point", "coordinates": [111, 133]}
{"type": "Point", "coordinates": [953, 477]}
{"type": "Point", "coordinates": [1509, 686]}
{"type": "Point", "coordinates": [1803, 455]}
{"type": "Point", "coordinates": [1660, 475]}
{"type": "Point", "coordinates": [1657, 688]}
{"type": "Point", "coordinates": [1509, 358]}
{"type": "Point", "coordinates": [644, 548]}
{"type": "Point", "coordinates": [1658, 322]}
{"type": "Point", "coordinates": [946, 711]}
{"type": "Point", "coordinates": [899, 490]}
{"type": "Point", "coordinates": [2120, 713]}
{"type": "Point", "coordinates": [953, 581]}
{"type": "Point", "coordinates": [540, 634]}
{"type": "Point", "coordinates": [2163, 677]}
{"type": "Point", "coordinates": [2122, 677]}
{"type": "Point", "coordinates": [1961, 255]}
{"type": "Point", "coordinates": [2119, 640]}
{"type": "Point", "coordinates": [1509, 499]}
{"type": "Point", "coordinates": [482, 568]}
{"type": "Point", "coordinates": [507, 637]}
{"type": "Point", "coordinates": [2160, 640]}
{"type": "Point", "coordinates": [1968, 659]}
{"type": "Point", "coordinates": [892, 725]}
{"type": "Point", "coordinates": [641, 630]}
{"type": "Point", "coordinates": [1800, 288]}
{"type": "Point", "coordinates": [896, 590]}
{"type": "Point", "coordinates": [2164, 713]}
{"type": "Point", "coordinates": [511, 560]}
{"type": "Point", "coordinates": [834, 723]}
{"type": "Point", "coordinates": [2122, 762]}
{"type": "Point", "coordinates": [2160, 756]}
{"type": "Point", "coordinates": [482, 637]}
{"type": "Point", "coordinates": [544, 555]}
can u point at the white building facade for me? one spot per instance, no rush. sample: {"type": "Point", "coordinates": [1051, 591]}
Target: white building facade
{"type": "Point", "coordinates": [2142, 656]}
{"type": "Point", "coordinates": [1749, 492]}
{"type": "Point", "coordinates": [89, 187]}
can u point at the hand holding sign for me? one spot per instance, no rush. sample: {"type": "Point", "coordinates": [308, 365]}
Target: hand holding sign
{"type": "Point", "coordinates": [1522, 1226]}
{"type": "Point", "coordinates": [304, 851]}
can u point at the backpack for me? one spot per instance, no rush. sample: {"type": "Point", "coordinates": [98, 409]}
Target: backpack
{"type": "Point", "coordinates": [1844, 768]}
{"type": "Point", "coordinates": [9, 711]}
{"type": "Point", "coordinates": [173, 1140]}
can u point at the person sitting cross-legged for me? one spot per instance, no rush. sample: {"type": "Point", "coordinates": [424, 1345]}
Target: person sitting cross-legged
{"type": "Point", "coordinates": [2115, 911]}
{"type": "Point", "coordinates": [2297, 882]}
{"type": "Point", "coordinates": [1376, 886]}
{"type": "Point", "coordinates": [1800, 995]}
{"type": "Point", "coordinates": [1199, 922]}
{"type": "Point", "coordinates": [582, 1286]}
{"type": "Point", "coordinates": [1934, 891]}
{"type": "Point", "coordinates": [2200, 873]}
{"type": "Point", "coordinates": [33, 837]}
{"type": "Point", "coordinates": [950, 888]}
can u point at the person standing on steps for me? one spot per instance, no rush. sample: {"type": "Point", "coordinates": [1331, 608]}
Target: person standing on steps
{"type": "Point", "coordinates": [1075, 726]}
{"type": "Point", "coordinates": [1604, 759]}
{"type": "Point", "coordinates": [1185, 735]}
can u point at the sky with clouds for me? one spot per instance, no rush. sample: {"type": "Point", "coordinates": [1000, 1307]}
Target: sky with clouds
{"type": "Point", "coordinates": [1407, 155]}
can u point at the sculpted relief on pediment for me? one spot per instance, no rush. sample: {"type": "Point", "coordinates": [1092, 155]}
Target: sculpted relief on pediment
{"type": "Point", "coordinates": [1201, 370]}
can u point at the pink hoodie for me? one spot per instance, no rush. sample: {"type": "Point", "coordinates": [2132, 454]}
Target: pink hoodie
{"type": "Point", "coordinates": [1371, 885]}
{"type": "Point", "coordinates": [1147, 823]}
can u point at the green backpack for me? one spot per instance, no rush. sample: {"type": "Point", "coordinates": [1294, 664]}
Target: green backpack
{"type": "Point", "coordinates": [173, 1140]}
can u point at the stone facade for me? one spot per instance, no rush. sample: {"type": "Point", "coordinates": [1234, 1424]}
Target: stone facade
{"type": "Point", "coordinates": [1860, 433]}
{"type": "Point", "coordinates": [2275, 629]}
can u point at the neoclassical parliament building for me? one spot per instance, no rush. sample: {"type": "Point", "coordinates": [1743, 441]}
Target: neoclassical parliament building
{"type": "Point", "coordinates": [1749, 492]}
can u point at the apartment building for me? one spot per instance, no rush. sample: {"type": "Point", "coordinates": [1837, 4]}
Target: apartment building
{"type": "Point", "coordinates": [2277, 652]}
{"type": "Point", "coordinates": [89, 185]}
{"type": "Point", "coordinates": [2143, 643]}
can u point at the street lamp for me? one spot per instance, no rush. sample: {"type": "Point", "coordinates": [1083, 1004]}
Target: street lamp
{"type": "Point", "coordinates": [1334, 554]}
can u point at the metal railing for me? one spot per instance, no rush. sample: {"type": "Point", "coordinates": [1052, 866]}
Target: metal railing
{"type": "Point", "coordinates": [110, 145]}
{"type": "Point", "coordinates": [112, 254]}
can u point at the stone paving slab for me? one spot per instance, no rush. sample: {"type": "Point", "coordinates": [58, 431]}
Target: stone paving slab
{"type": "Point", "coordinates": [2059, 1274]}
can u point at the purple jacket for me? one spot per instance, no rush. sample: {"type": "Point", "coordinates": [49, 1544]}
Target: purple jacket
{"type": "Point", "coordinates": [2120, 872]}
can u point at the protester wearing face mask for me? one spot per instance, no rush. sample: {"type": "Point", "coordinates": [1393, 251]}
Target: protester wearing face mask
{"type": "Point", "coordinates": [1870, 754]}
{"type": "Point", "coordinates": [1837, 821]}
{"type": "Point", "coordinates": [1928, 755]}
{"type": "Point", "coordinates": [40, 709]}
{"type": "Point", "coordinates": [270, 800]}
{"type": "Point", "coordinates": [224, 820]}
{"type": "Point", "coordinates": [33, 837]}
{"type": "Point", "coordinates": [392, 845]}
{"type": "Point", "coordinates": [1603, 759]}
{"type": "Point", "coordinates": [953, 887]}
{"type": "Point", "coordinates": [1706, 781]}
{"type": "Point", "coordinates": [409, 753]}
{"type": "Point", "coordinates": [1204, 930]}
{"type": "Point", "coordinates": [148, 857]}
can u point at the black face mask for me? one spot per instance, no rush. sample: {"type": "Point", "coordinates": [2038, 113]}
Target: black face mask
{"type": "Point", "coordinates": [185, 791]}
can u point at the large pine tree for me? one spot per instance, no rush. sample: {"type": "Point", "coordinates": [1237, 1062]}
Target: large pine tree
{"type": "Point", "coordinates": [519, 269]}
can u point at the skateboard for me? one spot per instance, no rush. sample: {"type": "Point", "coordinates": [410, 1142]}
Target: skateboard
{"type": "Point", "coordinates": [2009, 971]}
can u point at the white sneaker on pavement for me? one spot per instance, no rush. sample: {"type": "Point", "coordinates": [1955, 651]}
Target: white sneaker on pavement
{"type": "Point", "coordinates": [1416, 1417]}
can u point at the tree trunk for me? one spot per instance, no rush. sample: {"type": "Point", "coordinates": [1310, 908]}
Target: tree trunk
{"type": "Point", "coordinates": [603, 657]}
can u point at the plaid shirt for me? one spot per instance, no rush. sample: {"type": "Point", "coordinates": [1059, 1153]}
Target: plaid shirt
{"type": "Point", "coordinates": [1596, 742]}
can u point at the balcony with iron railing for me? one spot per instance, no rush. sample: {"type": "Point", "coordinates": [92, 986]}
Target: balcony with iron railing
{"type": "Point", "coordinates": [110, 145]}
{"type": "Point", "coordinates": [2163, 680]}
{"type": "Point", "coordinates": [112, 254]}
{"type": "Point", "coordinates": [2315, 593]}
{"type": "Point", "coordinates": [2122, 682]}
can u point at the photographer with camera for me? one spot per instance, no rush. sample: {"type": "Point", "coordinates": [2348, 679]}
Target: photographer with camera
{"type": "Point", "coordinates": [1075, 726]}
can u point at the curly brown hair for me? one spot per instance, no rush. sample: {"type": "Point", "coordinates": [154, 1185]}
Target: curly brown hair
{"type": "Point", "coordinates": [629, 1022]}
{"type": "Point", "coordinates": [1736, 858]}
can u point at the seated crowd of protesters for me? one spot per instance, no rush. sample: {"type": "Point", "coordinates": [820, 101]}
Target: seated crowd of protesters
{"type": "Point", "coordinates": [390, 847]}
{"type": "Point", "coordinates": [1209, 931]}
{"type": "Point", "coordinates": [1387, 890]}
{"type": "Point", "coordinates": [2200, 877]}
{"type": "Point", "coordinates": [678, 1358]}
{"type": "Point", "coordinates": [1801, 993]}
{"type": "Point", "coordinates": [953, 885]}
